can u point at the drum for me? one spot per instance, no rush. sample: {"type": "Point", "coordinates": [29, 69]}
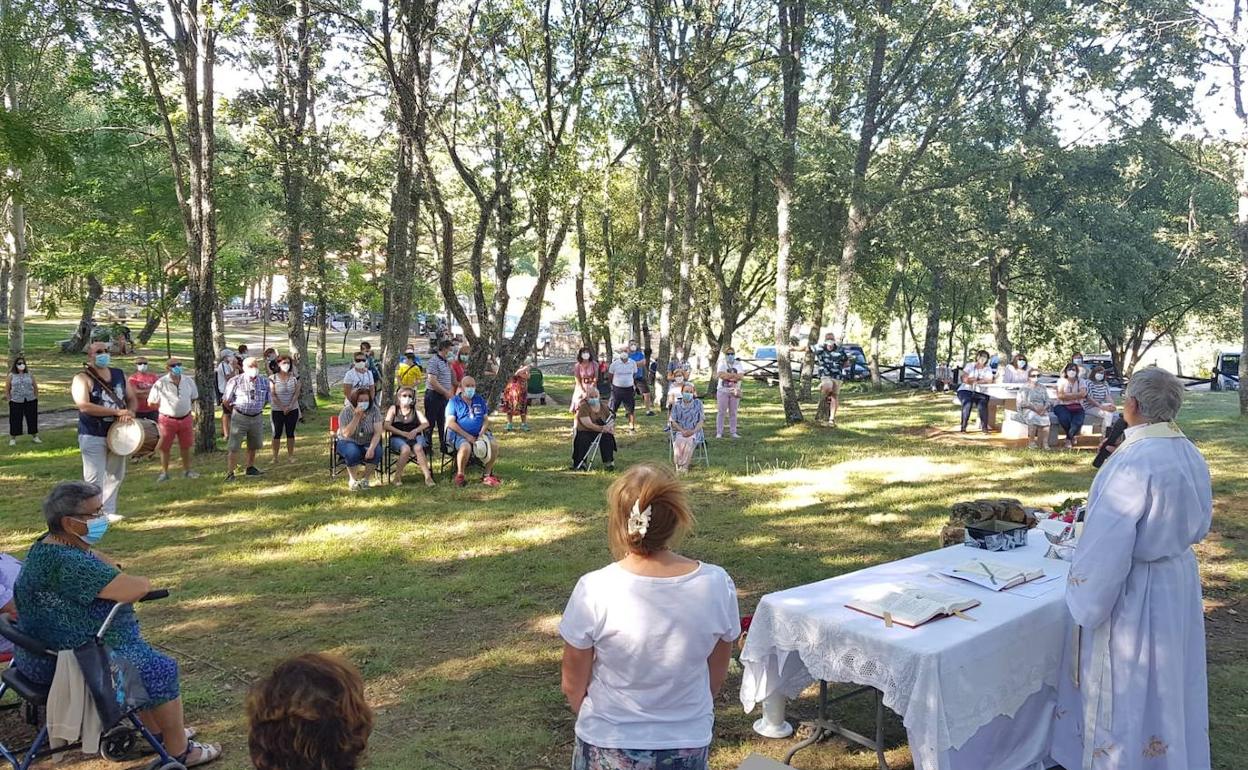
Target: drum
{"type": "Point", "coordinates": [137, 437]}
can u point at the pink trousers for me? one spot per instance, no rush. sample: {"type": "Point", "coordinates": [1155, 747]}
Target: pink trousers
{"type": "Point", "coordinates": [727, 406]}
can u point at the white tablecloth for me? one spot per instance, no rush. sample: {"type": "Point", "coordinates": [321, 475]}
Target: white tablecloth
{"type": "Point", "coordinates": [948, 678]}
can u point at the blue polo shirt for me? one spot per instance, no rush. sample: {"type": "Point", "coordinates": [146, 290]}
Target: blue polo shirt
{"type": "Point", "coordinates": [469, 416]}
{"type": "Point", "coordinates": [639, 356]}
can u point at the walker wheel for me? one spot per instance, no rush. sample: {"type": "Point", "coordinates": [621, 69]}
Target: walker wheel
{"type": "Point", "coordinates": [117, 745]}
{"type": "Point", "coordinates": [172, 764]}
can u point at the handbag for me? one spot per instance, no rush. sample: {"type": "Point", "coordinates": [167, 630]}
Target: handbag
{"type": "Point", "coordinates": [114, 682]}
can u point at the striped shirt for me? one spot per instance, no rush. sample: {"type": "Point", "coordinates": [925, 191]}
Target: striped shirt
{"type": "Point", "coordinates": [1098, 393]}
{"type": "Point", "coordinates": [284, 390]}
{"type": "Point", "coordinates": [438, 369]}
{"type": "Point", "coordinates": [247, 394]}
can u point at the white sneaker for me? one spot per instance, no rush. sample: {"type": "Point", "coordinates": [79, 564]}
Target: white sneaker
{"type": "Point", "coordinates": [162, 477]}
{"type": "Point", "coordinates": [12, 442]}
{"type": "Point", "coordinates": [190, 475]}
{"type": "Point", "coordinates": [353, 485]}
{"type": "Point", "coordinates": [36, 439]}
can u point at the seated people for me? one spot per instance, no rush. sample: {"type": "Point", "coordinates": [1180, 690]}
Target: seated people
{"type": "Point", "coordinates": [309, 714]}
{"type": "Point", "coordinates": [685, 421]}
{"type": "Point", "coordinates": [593, 421]}
{"type": "Point", "coordinates": [1015, 372]}
{"type": "Point", "coordinates": [647, 639]}
{"type": "Point", "coordinates": [10, 568]}
{"type": "Point", "coordinates": [728, 379]}
{"type": "Point", "coordinates": [830, 366]}
{"type": "Point", "coordinates": [467, 420]}
{"type": "Point", "coordinates": [516, 399]}
{"type": "Point", "coordinates": [1099, 404]}
{"type": "Point", "coordinates": [584, 376]}
{"type": "Point", "coordinates": [944, 377]}
{"type": "Point", "coordinates": [359, 437]}
{"type": "Point", "coordinates": [66, 589]}
{"type": "Point", "coordinates": [675, 381]}
{"type": "Point", "coordinates": [1033, 410]}
{"type": "Point", "coordinates": [409, 435]}
{"type": "Point", "coordinates": [974, 376]}
{"type": "Point", "coordinates": [1071, 393]}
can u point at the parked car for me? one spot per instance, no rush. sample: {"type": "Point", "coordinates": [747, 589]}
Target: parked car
{"type": "Point", "coordinates": [768, 352]}
{"type": "Point", "coordinates": [1226, 370]}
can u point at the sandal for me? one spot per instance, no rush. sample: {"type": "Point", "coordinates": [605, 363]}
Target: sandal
{"type": "Point", "coordinates": [208, 752]}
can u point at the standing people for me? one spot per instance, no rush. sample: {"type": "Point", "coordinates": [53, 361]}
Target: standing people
{"type": "Point", "coordinates": [172, 395]}
{"type": "Point", "coordinates": [1076, 358]}
{"type": "Point", "coordinates": [226, 371]}
{"type": "Point", "coordinates": [727, 393]}
{"type": "Point", "coordinates": [1140, 699]}
{"type": "Point", "coordinates": [270, 360]}
{"type": "Point", "coordinates": [648, 638]}
{"type": "Point", "coordinates": [584, 377]}
{"type": "Point", "coordinates": [975, 376]}
{"type": "Point", "coordinates": [1015, 372]}
{"type": "Point", "coordinates": [366, 348]}
{"type": "Point", "coordinates": [623, 373]}
{"type": "Point", "coordinates": [459, 363]}
{"type": "Point", "coordinates": [141, 383]}
{"type": "Point", "coordinates": [639, 357]}
{"type": "Point", "coordinates": [468, 421]}
{"type": "Point", "coordinates": [830, 363]}
{"type": "Point", "coordinates": [286, 389]}
{"type": "Point", "coordinates": [516, 399]}
{"type": "Point", "coordinates": [247, 394]}
{"type": "Point", "coordinates": [102, 398]}
{"type": "Point", "coordinates": [593, 421]}
{"type": "Point", "coordinates": [22, 393]}
{"type": "Point", "coordinates": [685, 421]}
{"type": "Point", "coordinates": [409, 435]}
{"type": "Point", "coordinates": [359, 437]}
{"type": "Point", "coordinates": [357, 377]}
{"type": "Point", "coordinates": [1071, 393]}
{"type": "Point", "coordinates": [410, 374]}
{"type": "Point", "coordinates": [439, 388]}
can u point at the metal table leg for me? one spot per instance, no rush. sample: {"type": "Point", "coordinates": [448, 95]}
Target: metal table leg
{"type": "Point", "coordinates": [824, 726]}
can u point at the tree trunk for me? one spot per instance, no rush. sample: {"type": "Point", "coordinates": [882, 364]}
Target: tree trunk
{"type": "Point", "coordinates": [667, 294]}
{"type": "Point", "coordinates": [4, 285]}
{"type": "Point", "coordinates": [82, 335]}
{"type": "Point", "coordinates": [792, 15]}
{"type": "Point", "coordinates": [931, 334]}
{"type": "Point", "coordinates": [1241, 237]}
{"type": "Point", "coordinates": [998, 281]}
{"type": "Point", "coordinates": [877, 328]}
{"type": "Point", "coordinates": [19, 257]}
{"type": "Point", "coordinates": [688, 242]}
{"type": "Point", "coordinates": [158, 313]}
{"type": "Point", "coordinates": [582, 247]}
{"type": "Point", "coordinates": [397, 290]}
{"type": "Point", "coordinates": [322, 341]}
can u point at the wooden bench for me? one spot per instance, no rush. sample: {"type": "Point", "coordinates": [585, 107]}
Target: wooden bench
{"type": "Point", "coordinates": [1013, 429]}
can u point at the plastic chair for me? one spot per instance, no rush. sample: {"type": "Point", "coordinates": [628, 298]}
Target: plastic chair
{"type": "Point", "coordinates": [700, 451]}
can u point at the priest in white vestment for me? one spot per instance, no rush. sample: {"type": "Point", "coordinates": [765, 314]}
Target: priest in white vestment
{"type": "Point", "coordinates": [1133, 693]}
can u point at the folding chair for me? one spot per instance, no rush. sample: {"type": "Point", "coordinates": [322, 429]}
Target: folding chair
{"type": "Point", "coordinates": [591, 454]}
{"type": "Point", "coordinates": [337, 465]}
{"type": "Point", "coordinates": [448, 459]}
{"type": "Point", "coordinates": [699, 450]}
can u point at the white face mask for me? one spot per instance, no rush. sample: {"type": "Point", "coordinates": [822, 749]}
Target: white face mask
{"type": "Point", "coordinates": [1099, 377]}
{"type": "Point", "coordinates": [251, 371]}
{"type": "Point", "coordinates": [584, 356]}
{"type": "Point", "coordinates": [1071, 375]}
{"type": "Point", "coordinates": [406, 401]}
{"type": "Point", "coordinates": [285, 367]}
{"type": "Point", "coordinates": [623, 355]}
{"type": "Point", "coordinates": [632, 347]}
{"type": "Point", "coordinates": [141, 367]}
{"type": "Point", "coordinates": [21, 367]}
{"type": "Point", "coordinates": [363, 404]}
{"type": "Point", "coordinates": [1078, 360]}
{"type": "Point", "coordinates": [361, 365]}
{"type": "Point", "coordinates": [1022, 363]}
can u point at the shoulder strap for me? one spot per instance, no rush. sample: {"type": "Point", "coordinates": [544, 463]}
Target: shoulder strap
{"type": "Point", "coordinates": [105, 387]}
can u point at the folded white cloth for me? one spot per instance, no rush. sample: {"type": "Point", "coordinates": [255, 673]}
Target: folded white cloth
{"type": "Point", "coordinates": [71, 712]}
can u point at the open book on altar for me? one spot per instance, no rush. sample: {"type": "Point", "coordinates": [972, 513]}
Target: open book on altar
{"type": "Point", "coordinates": [993, 575]}
{"type": "Point", "coordinates": [912, 605]}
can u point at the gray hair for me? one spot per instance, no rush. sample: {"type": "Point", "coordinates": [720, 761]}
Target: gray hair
{"type": "Point", "coordinates": [64, 500]}
{"type": "Point", "coordinates": [1158, 394]}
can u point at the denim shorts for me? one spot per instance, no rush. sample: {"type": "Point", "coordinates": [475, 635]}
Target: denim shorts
{"type": "Point", "coordinates": [587, 757]}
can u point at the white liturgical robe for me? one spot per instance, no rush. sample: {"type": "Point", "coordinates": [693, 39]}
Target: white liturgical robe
{"type": "Point", "coordinates": [1133, 693]}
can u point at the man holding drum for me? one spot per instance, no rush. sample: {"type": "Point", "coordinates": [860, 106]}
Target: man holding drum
{"type": "Point", "coordinates": [103, 401]}
{"type": "Point", "coordinates": [172, 396]}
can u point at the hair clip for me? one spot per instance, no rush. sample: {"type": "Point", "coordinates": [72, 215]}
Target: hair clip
{"type": "Point", "coordinates": [639, 520]}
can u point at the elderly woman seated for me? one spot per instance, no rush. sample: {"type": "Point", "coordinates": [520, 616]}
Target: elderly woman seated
{"type": "Point", "coordinates": [359, 436]}
{"type": "Point", "coordinates": [1034, 411]}
{"type": "Point", "coordinates": [65, 591]}
{"type": "Point", "coordinates": [593, 421]}
{"type": "Point", "coordinates": [685, 422]}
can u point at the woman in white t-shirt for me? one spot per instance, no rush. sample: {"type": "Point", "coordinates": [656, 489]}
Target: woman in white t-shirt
{"type": "Point", "coordinates": [648, 638]}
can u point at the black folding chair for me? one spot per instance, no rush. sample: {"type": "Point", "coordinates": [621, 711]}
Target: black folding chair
{"type": "Point", "coordinates": [591, 454]}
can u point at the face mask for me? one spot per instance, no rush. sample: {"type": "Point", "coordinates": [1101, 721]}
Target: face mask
{"type": "Point", "coordinates": [1022, 363]}
{"type": "Point", "coordinates": [271, 357]}
{"type": "Point", "coordinates": [687, 396]}
{"type": "Point", "coordinates": [1078, 360]}
{"type": "Point", "coordinates": [21, 367]}
{"type": "Point", "coordinates": [284, 367]}
{"type": "Point", "coordinates": [623, 355]}
{"type": "Point", "coordinates": [95, 529]}
{"type": "Point", "coordinates": [678, 380]}
{"type": "Point", "coordinates": [406, 401]}
{"type": "Point", "coordinates": [360, 366]}
{"type": "Point", "coordinates": [1034, 380]}
{"type": "Point", "coordinates": [470, 392]}
{"type": "Point", "coordinates": [829, 344]}
{"type": "Point", "coordinates": [1100, 377]}
{"type": "Point", "coordinates": [632, 347]}
{"type": "Point", "coordinates": [251, 371]}
{"type": "Point", "coordinates": [1071, 375]}
{"type": "Point", "coordinates": [176, 370]}
{"type": "Point", "coordinates": [983, 362]}
{"type": "Point", "coordinates": [363, 404]}
{"type": "Point", "coordinates": [731, 358]}
{"type": "Point", "coordinates": [594, 401]}
{"type": "Point", "coordinates": [103, 359]}
{"type": "Point", "coordinates": [463, 358]}
{"type": "Point", "coordinates": [584, 356]}
{"type": "Point", "coordinates": [141, 367]}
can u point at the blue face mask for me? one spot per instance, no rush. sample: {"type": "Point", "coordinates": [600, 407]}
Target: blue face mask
{"type": "Point", "coordinates": [103, 359]}
{"type": "Point", "coordinates": [177, 370]}
{"type": "Point", "coordinates": [594, 401]}
{"type": "Point", "coordinates": [687, 396]}
{"type": "Point", "coordinates": [95, 529]}
{"type": "Point", "coordinates": [470, 392]}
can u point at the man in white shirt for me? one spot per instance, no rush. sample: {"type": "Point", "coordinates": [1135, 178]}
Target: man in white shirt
{"type": "Point", "coordinates": [623, 371]}
{"type": "Point", "coordinates": [227, 369]}
{"type": "Point", "coordinates": [172, 396]}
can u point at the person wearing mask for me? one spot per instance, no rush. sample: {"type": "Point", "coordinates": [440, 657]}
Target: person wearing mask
{"type": "Point", "coordinates": [410, 374]}
{"type": "Point", "coordinates": [593, 421]}
{"type": "Point", "coordinates": [468, 421]}
{"type": "Point", "coordinates": [1017, 371]}
{"type": "Point", "coordinates": [141, 383]}
{"type": "Point", "coordinates": [247, 394]}
{"type": "Point", "coordinates": [238, 359]}
{"type": "Point", "coordinates": [515, 401]}
{"type": "Point", "coordinates": [685, 422]}
{"type": "Point", "coordinates": [944, 377]}
{"type": "Point", "coordinates": [1072, 391]}
{"type": "Point", "coordinates": [639, 357]}
{"type": "Point", "coordinates": [366, 348]}
{"type": "Point", "coordinates": [286, 389]}
{"type": "Point", "coordinates": [225, 372]}
{"type": "Point", "coordinates": [22, 392]}
{"type": "Point", "coordinates": [359, 437]}
{"type": "Point", "coordinates": [439, 389]}
{"type": "Point", "coordinates": [310, 713]}
{"type": "Point", "coordinates": [1099, 405]}
{"type": "Point", "coordinates": [459, 364]}
{"type": "Point", "coordinates": [1134, 689]}
{"type": "Point", "coordinates": [676, 380]}
{"type": "Point", "coordinates": [102, 398]}
{"type": "Point", "coordinates": [172, 396]}
{"type": "Point", "coordinates": [270, 360]}
{"type": "Point", "coordinates": [409, 436]}
{"type": "Point", "coordinates": [648, 638]}
{"type": "Point", "coordinates": [584, 376]}
{"type": "Point", "coordinates": [67, 588]}
{"type": "Point", "coordinates": [357, 377]}
{"type": "Point", "coordinates": [728, 379]}
{"type": "Point", "coordinates": [1076, 358]}
{"type": "Point", "coordinates": [1033, 411]}
{"type": "Point", "coordinates": [623, 373]}
{"type": "Point", "coordinates": [830, 366]}
{"type": "Point", "coordinates": [974, 377]}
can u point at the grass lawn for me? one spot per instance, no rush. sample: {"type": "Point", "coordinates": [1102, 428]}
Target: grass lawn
{"type": "Point", "coordinates": [448, 600]}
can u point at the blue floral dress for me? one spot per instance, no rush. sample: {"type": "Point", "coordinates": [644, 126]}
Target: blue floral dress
{"type": "Point", "coordinates": [586, 757]}
{"type": "Point", "coordinates": [57, 603]}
